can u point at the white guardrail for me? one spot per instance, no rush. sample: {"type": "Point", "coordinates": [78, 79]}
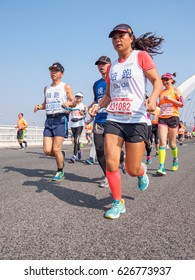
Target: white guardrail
{"type": "Point", "coordinates": [34, 136]}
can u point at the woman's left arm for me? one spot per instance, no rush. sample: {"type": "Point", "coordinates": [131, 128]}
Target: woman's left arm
{"type": "Point", "coordinates": [179, 102]}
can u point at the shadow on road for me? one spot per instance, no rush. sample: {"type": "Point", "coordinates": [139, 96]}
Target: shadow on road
{"type": "Point", "coordinates": [62, 192]}
{"type": "Point", "coordinates": [71, 196]}
{"type": "Point", "coordinates": [43, 173]}
{"type": "Point", "coordinates": [30, 172]}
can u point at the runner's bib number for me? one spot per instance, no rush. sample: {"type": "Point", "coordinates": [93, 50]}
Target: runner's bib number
{"type": "Point", "coordinates": [166, 109]}
{"type": "Point", "coordinates": [53, 107]}
{"type": "Point", "coordinates": [120, 106]}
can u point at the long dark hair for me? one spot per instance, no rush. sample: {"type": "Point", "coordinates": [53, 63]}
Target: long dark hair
{"type": "Point", "coordinates": [149, 43]}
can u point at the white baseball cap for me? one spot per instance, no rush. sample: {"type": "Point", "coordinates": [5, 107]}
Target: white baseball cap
{"type": "Point", "coordinates": [79, 94]}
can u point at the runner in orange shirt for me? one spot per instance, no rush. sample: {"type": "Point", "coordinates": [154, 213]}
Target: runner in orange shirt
{"type": "Point", "coordinates": [169, 101]}
{"type": "Point", "coordinates": [88, 132]}
{"type": "Point", "coordinates": [21, 130]}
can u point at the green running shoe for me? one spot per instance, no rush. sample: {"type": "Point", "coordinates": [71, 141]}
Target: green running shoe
{"type": "Point", "coordinates": [161, 171]}
{"type": "Point", "coordinates": [175, 165]}
{"type": "Point", "coordinates": [59, 176]}
{"type": "Point", "coordinates": [118, 207]}
{"type": "Point", "coordinates": [143, 181]}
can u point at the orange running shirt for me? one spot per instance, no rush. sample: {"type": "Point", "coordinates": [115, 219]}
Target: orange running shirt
{"type": "Point", "coordinates": [167, 108]}
{"type": "Point", "coordinates": [155, 117]}
{"type": "Point", "coordinates": [21, 124]}
{"type": "Point", "coordinates": [88, 128]}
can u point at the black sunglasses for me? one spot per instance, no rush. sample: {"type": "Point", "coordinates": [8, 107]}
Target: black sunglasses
{"type": "Point", "coordinates": [165, 79]}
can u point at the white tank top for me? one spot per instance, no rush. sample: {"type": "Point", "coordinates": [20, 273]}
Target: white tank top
{"type": "Point", "coordinates": [76, 115]}
{"type": "Point", "coordinates": [55, 96]}
{"type": "Point", "coordinates": [127, 91]}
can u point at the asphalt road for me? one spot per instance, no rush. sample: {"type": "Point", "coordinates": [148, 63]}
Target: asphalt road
{"type": "Point", "coordinates": [40, 219]}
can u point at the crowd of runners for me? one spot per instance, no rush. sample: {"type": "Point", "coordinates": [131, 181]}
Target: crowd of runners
{"type": "Point", "coordinates": [126, 119]}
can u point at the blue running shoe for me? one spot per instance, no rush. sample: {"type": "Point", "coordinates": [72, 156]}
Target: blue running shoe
{"type": "Point", "coordinates": [143, 181]}
{"type": "Point", "coordinates": [161, 171]}
{"type": "Point", "coordinates": [90, 161]}
{"type": "Point", "coordinates": [79, 154]}
{"type": "Point", "coordinates": [118, 207]}
{"type": "Point", "coordinates": [59, 176]}
{"type": "Point", "coordinates": [149, 161]}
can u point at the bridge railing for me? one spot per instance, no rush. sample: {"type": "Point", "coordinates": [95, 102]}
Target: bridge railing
{"type": "Point", "coordinates": [34, 136]}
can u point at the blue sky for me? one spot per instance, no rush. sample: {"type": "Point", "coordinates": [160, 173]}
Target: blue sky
{"type": "Point", "coordinates": [36, 33]}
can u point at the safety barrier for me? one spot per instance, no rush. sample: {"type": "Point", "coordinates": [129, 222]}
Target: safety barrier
{"type": "Point", "coordinates": [34, 136]}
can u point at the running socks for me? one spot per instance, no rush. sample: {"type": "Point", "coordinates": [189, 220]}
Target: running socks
{"type": "Point", "coordinates": [114, 181]}
{"type": "Point", "coordinates": [174, 152]}
{"type": "Point", "coordinates": [21, 145]}
{"type": "Point", "coordinates": [162, 156]}
{"type": "Point", "coordinates": [142, 171]}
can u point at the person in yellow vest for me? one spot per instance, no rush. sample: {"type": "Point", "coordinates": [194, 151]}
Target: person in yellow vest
{"type": "Point", "coordinates": [169, 101]}
{"type": "Point", "coordinates": [21, 131]}
{"type": "Point", "coordinates": [181, 131]}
